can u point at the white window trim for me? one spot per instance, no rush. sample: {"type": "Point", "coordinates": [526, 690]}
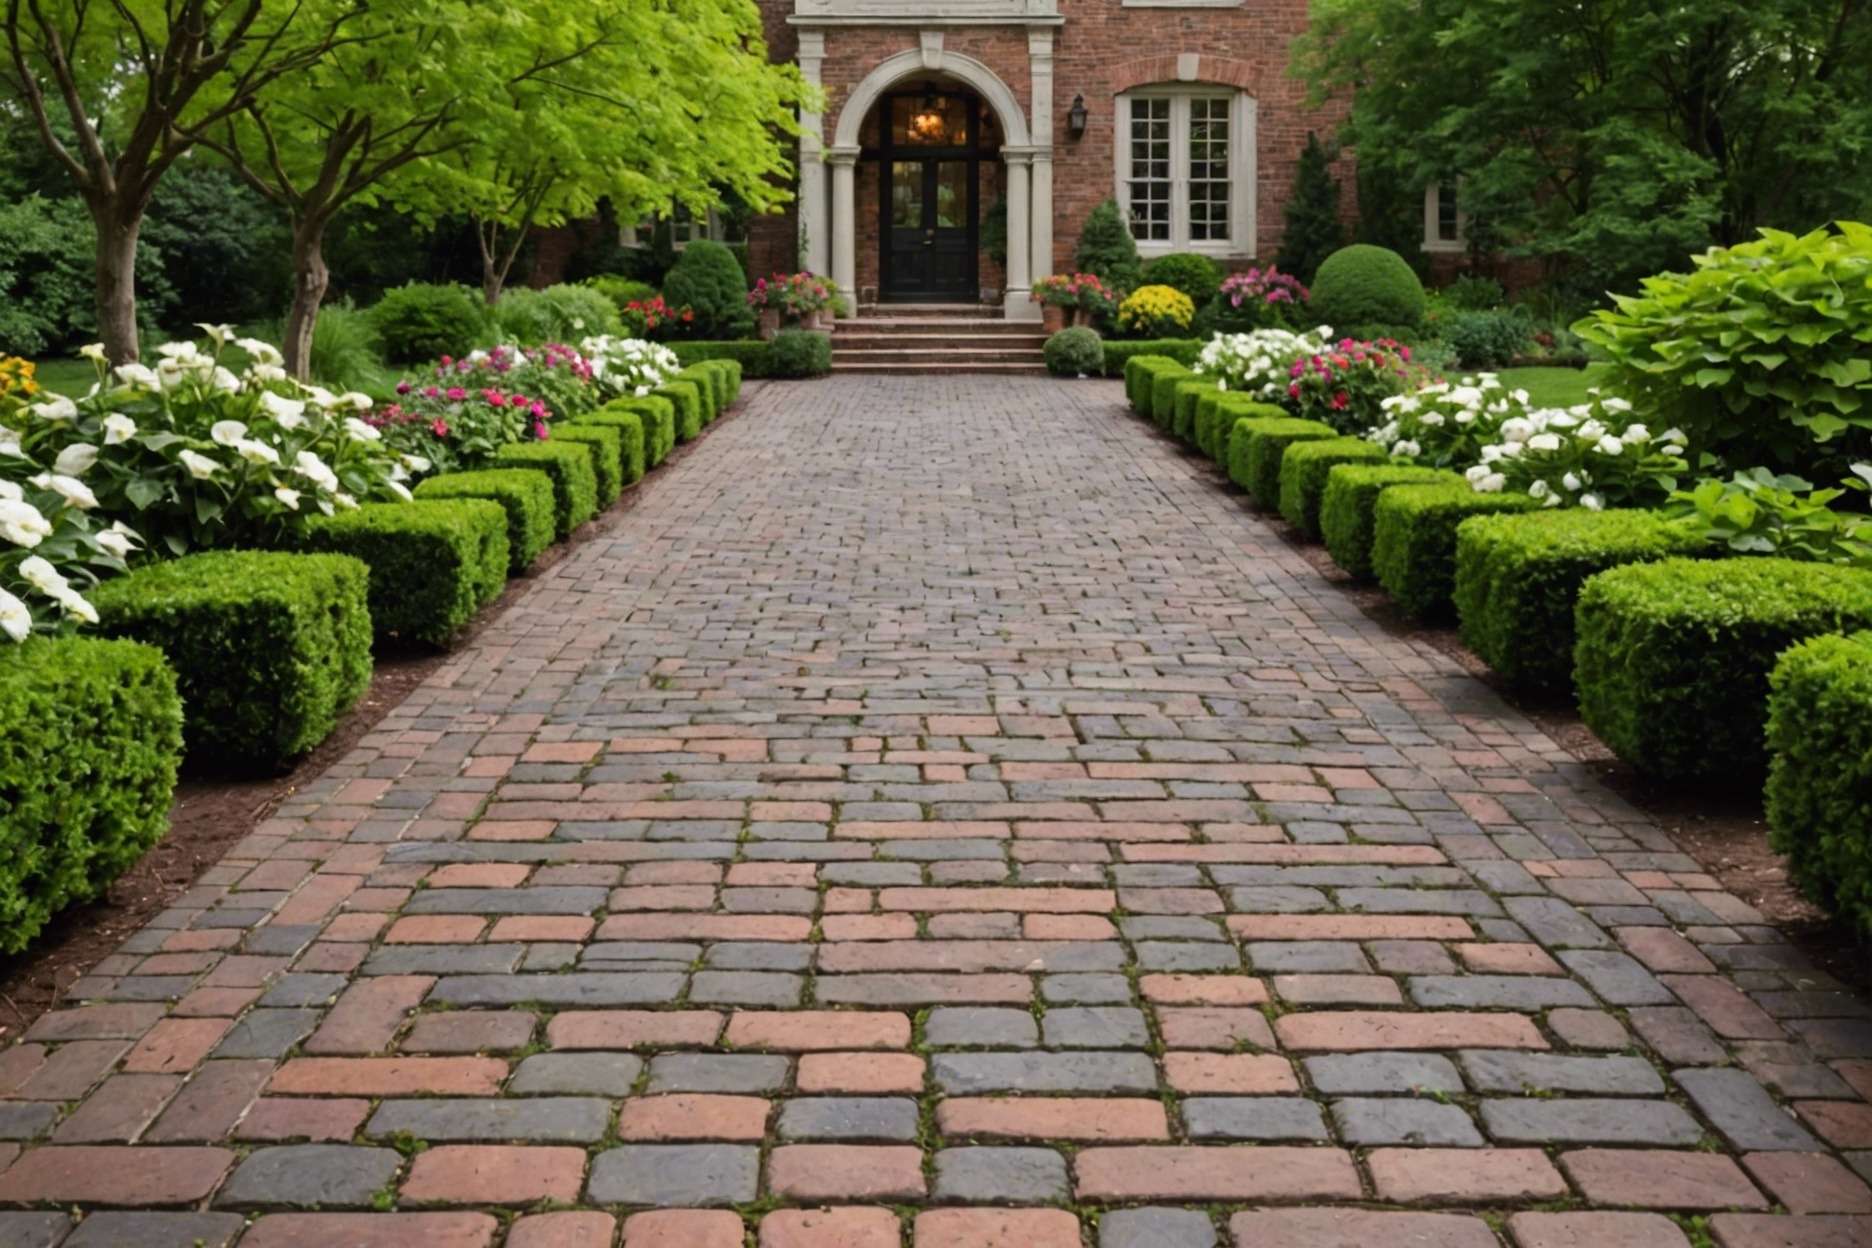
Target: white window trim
{"type": "Point", "coordinates": [640, 234]}
{"type": "Point", "coordinates": [1432, 218]}
{"type": "Point", "coordinates": [1243, 143]}
{"type": "Point", "coordinates": [1181, 4]}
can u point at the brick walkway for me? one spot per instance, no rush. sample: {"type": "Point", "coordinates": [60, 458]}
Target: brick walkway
{"type": "Point", "coordinates": [940, 800]}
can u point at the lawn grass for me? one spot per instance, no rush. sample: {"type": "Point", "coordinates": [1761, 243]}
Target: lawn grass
{"type": "Point", "coordinates": [72, 378]}
{"type": "Point", "coordinates": [1554, 387]}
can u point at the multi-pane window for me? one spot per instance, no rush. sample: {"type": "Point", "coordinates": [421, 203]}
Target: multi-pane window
{"type": "Point", "coordinates": [1185, 160]}
{"type": "Point", "coordinates": [684, 228]}
{"type": "Point", "coordinates": [1443, 217]}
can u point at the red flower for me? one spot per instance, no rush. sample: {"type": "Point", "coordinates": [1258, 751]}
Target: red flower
{"type": "Point", "coordinates": [439, 428]}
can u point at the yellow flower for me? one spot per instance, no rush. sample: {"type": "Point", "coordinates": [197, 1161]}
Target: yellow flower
{"type": "Point", "coordinates": [16, 377]}
{"type": "Point", "coordinates": [1159, 307]}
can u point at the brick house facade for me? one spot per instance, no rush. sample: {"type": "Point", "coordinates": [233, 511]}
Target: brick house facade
{"type": "Point", "coordinates": [1186, 113]}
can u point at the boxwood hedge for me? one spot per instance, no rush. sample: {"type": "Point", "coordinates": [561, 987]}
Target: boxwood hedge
{"type": "Point", "coordinates": [1414, 540]}
{"type": "Point", "coordinates": [1140, 371]}
{"type": "Point", "coordinates": [1518, 579]}
{"type": "Point", "coordinates": [1164, 383]}
{"type": "Point", "coordinates": [708, 396]}
{"type": "Point", "coordinates": [525, 494]}
{"type": "Point", "coordinates": [569, 466]}
{"type": "Point", "coordinates": [1119, 354]}
{"type": "Point", "coordinates": [607, 455]}
{"type": "Point", "coordinates": [1188, 392]}
{"type": "Point", "coordinates": [686, 397]}
{"type": "Point", "coordinates": [1266, 446]}
{"type": "Point", "coordinates": [433, 563]}
{"type": "Point", "coordinates": [1346, 507]}
{"type": "Point", "coordinates": [659, 424]}
{"type": "Point", "coordinates": [1240, 436]}
{"type": "Point", "coordinates": [269, 647]}
{"type": "Point", "coordinates": [87, 768]}
{"type": "Point", "coordinates": [1673, 657]}
{"type": "Point", "coordinates": [750, 359]}
{"type": "Point", "coordinates": [1303, 472]}
{"type": "Point", "coordinates": [1820, 771]}
{"type": "Point", "coordinates": [629, 426]}
{"type": "Point", "coordinates": [1216, 414]}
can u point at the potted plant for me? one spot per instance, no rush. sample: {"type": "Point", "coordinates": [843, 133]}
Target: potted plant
{"type": "Point", "coordinates": [1056, 299]}
{"type": "Point", "coordinates": [1079, 297]}
{"type": "Point", "coordinates": [765, 301]}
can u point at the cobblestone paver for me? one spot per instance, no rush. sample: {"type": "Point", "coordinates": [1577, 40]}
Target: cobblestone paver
{"type": "Point", "coordinates": [940, 814]}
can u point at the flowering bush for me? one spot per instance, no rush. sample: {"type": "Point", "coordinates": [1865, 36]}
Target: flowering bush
{"type": "Point", "coordinates": [554, 374]}
{"type": "Point", "coordinates": [1082, 291]}
{"type": "Point", "coordinates": [1155, 312]}
{"type": "Point", "coordinates": [653, 318]}
{"type": "Point", "coordinates": [628, 368]}
{"type": "Point", "coordinates": [453, 427]}
{"type": "Point", "coordinates": [1260, 298]}
{"type": "Point", "coordinates": [1581, 457]}
{"type": "Point", "coordinates": [52, 547]}
{"type": "Point", "coordinates": [1447, 426]}
{"type": "Point", "coordinates": [1346, 384]}
{"type": "Point", "coordinates": [1260, 363]}
{"type": "Point", "coordinates": [793, 295]}
{"type": "Point", "coordinates": [189, 454]}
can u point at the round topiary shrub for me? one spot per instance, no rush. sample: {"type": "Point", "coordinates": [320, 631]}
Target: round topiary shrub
{"type": "Point", "coordinates": [1194, 275]}
{"type": "Point", "coordinates": [1361, 284]}
{"type": "Point", "coordinates": [1155, 312]}
{"type": "Point", "coordinates": [421, 321]}
{"type": "Point", "coordinates": [579, 312]}
{"type": "Point", "coordinates": [1075, 352]}
{"type": "Point", "coordinates": [707, 279]}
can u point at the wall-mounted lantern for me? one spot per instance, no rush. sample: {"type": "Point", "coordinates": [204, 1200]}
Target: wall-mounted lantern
{"type": "Point", "coordinates": [1076, 118]}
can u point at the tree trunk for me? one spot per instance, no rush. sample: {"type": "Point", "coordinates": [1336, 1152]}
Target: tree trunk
{"type": "Point", "coordinates": [310, 280]}
{"type": "Point", "coordinates": [117, 231]}
{"type": "Point", "coordinates": [493, 281]}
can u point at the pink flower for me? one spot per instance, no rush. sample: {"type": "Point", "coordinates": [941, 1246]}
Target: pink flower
{"type": "Point", "coordinates": [403, 387]}
{"type": "Point", "coordinates": [439, 428]}
{"type": "Point", "coordinates": [539, 430]}
{"type": "Point", "coordinates": [456, 394]}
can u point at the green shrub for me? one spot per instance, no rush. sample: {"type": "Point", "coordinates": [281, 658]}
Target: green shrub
{"type": "Point", "coordinates": [707, 279]}
{"type": "Point", "coordinates": [1673, 657]}
{"type": "Point", "coordinates": [1237, 442]}
{"type": "Point", "coordinates": [709, 389]}
{"type": "Point", "coordinates": [525, 495]}
{"type": "Point", "coordinates": [1117, 354]}
{"type": "Point", "coordinates": [433, 564]}
{"type": "Point", "coordinates": [1187, 393]}
{"type": "Point", "coordinates": [800, 353]}
{"type": "Point", "coordinates": [1518, 579]}
{"type": "Point", "coordinates": [726, 373]}
{"type": "Point", "coordinates": [1107, 249]}
{"type": "Point", "coordinates": [569, 466]}
{"type": "Point", "coordinates": [1142, 380]}
{"type": "Point", "coordinates": [1761, 355]}
{"type": "Point", "coordinates": [1819, 794]}
{"type": "Point", "coordinates": [526, 317]}
{"type": "Point", "coordinates": [269, 648]}
{"type": "Point", "coordinates": [1363, 283]}
{"type": "Point", "coordinates": [1347, 502]}
{"type": "Point", "coordinates": [418, 322]}
{"type": "Point", "coordinates": [346, 352]}
{"type": "Point", "coordinates": [607, 455]}
{"type": "Point", "coordinates": [621, 291]}
{"type": "Point", "coordinates": [754, 358]}
{"type": "Point", "coordinates": [1487, 339]}
{"type": "Point", "coordinates": [1266, 448]}
{"type": "Point", "coordinates": [1195, 275]}
{"type": "Point", "coordinates": [629, 427]}
{"type": "Point", "coordinates": [580, 312]}
{"type": "Point", "coordinates": [1303, 472]}
{"type": "Point", "coordinates": [87, 768]}
{"type": "Point", "coordinates": [1414, 540]}
{"type": "Point", "coordinates": [659, 424]}
{"type": "Point", "coordinates": [1075, 352]}
{"type": "Point", "coordinates": [1216, 417]}
{"type": "Point", "coordinates": [686, 398]}
{"type": "Point", "coordinates": [1163, 394]}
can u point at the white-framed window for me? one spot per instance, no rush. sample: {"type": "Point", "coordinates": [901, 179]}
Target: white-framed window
{"type": "Point", "coordinates": [1186, 168]}
{"type": "Point", "coordinates": [685, 227]}
{"type": "Point", "coordinates": [1443, 218]}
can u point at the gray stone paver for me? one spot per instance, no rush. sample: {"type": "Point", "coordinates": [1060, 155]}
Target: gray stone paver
{"type": "Point", "coordinates": [950, 744]}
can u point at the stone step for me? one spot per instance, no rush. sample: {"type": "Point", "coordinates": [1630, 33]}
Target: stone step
{"type": "Point", "coordinates": [938, 356]}
{"type": "Point", "coordinates": [987, 310]}
{"type": "Point", "coordinates": [950, 368]}
{"type": "Point", "coordinates": [935, 325]}
{"type": "Point", "coordinates": [861, 338]}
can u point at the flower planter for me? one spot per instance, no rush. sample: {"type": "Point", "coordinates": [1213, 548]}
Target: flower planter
{"type": "Point", "coordinates": [769, 322]}
{"type": "Point", "coordinates": [1052, 317]}
{"type": "Point", "coordinates": [1082, 317]}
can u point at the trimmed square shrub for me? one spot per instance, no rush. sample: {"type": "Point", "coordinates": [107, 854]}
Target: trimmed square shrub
{"type": "Point", "coordinates": [433, 563]}
{"type": "Point", "coordinates": [269, 647]}
{"type": "Point", "coordinates": [800, 353]}
{"type": "Point", "coordinates": [1236, 440]}
{"type": "Point", "coordinates": [1139, 372]}
{"type": "Point", "coordinates": [1190, 390]}
{"type": "Point", "coordinates": [1216, 414]}
{"type": "Point", "coordinates": [525, 494]}
{"type": "Point", "coordinates": [751, 358]}
{"type": "Point", "coordinates": [1303, 476]}
{"type": "Point", "coordinates": [629, 426]}
{"type": "Point", "coordinates": [659, 424]}
{"type": "Point", "coordinates": [1414, 540]}
{"type": "Point", "coordinates": [728, 389]}
{"type": "Point", "coordinates": [607, 455]}
{"type": "Point", "coordinates": [1163, 393]}
{"type": "Point", "coordinates": [1673, 657]}
{"type": "Point", "coordinates": [1346, 507]}
{"type": "Point", "coordinates": [568, 465]}
{"type": "Point", "coordinates": [1820, 772]}
{"type": "Point", "coordinates": [87, 768]}
{"type": "Point", "coordinates": [707, 395]}
{"type": "Point", "coordinates": [1518, 579]}
{"type": "Point", "coordinates": [1268, 441]}
{"type": "Point", "coordinates": [1119, 354]}
{"type": "Point", "coordinates": [686, 397]}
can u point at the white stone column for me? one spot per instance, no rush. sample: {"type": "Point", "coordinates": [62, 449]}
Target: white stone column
{"type": "Point", "coordinates": [1040, 62]}
{"type": "Point", "coordinates": [1018, 300]}
{"type": "Point", "coordinates": [812, 179]}
{"type": "Point", "coordinates": [844, 225]}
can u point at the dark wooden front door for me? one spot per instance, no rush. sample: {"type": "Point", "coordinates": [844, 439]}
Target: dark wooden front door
{"type": "Point", "coordinates": [929, 219]}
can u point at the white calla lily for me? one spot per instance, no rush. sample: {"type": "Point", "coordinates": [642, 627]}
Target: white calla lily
{"type": "Point", "coordinates": [76, 459]}
{"type": "Point", "coordinates": [15, 620]}
{"type": "Point", "coordinates": [118, 429]}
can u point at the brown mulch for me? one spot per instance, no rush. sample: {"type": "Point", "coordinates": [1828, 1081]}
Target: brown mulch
{"type": "Point", "coordinates": [211, 813]}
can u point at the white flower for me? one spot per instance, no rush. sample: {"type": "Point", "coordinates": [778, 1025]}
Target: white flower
{"type": "Point", "coordinates": [118, 429]}
{"type": "Point", "coordinates": [75, 492]}
{"type": "Point", "coordinates": [1673, 435]}
{"type": "Point", "coordinates": [22, 524]}
{"type": "Point", "coordinates": [117, 541]}
{"type": "Point", "coordinates": [1492, 453]}
{"type": "Point", "coordinates": [1544, 442]}
{"type": "Point", "coordinates": [220, 334]}
{"type": "Point", "coordinates": [313, 469]}
{"type": "Point", "coordinates": [1592, 430]}
{"type": "Point", "coordinates": [263, 353]}
{"type": "Point", "coordinates": [358, 429]}
{"type": "Point", "coordinates": [179, 351]}
{"type": "Point", "coordinates": [11, 492]}
{"type": "Point", "coordinates": [1540, 489]}
{"type": "Point", "coordinates": [200, 466]}
{"type": "Point", "coordinates": [9, 445]}
{"type": "Point", "coordinates": [1572, 482]}
{"type": "Point", "coordinates": [225, 381]}
{"type": "Point", "coordinates": [345, 501]}
{"type": "Point", "coordinates": [357, 399]}
{"type": "Point", "coordinates": [266, 372]}
{"type": "Point", "coordinates": [1621, 406]}
{"type": "Point", "coordinates": [1592, 502]}
{"type": "Point", "coordinates": [320, 397]}
{"type": "Point", "coordinates": [1468, 396]}
{"type": "Point", "coordinates": [288, 497]}
{"type": "Point", "coordinates": [1407, 449]}
{"type": "Point", "coordinates": [399, 489]}
{"type": "Point", "coordinates": [41, 575]}
{"type": "Point", "coordinates": [15, 619]}
{"type": "Point", "coordinates": [1609, 445]}
{"type": "Point", "coordinates": [73, 603]}
{"type": "Point", "coordinates": [1493, 483]}
{"type": "Point", "coordinates": [290, 413]}
{"type": "Point", "coordinates": [1637, 433]}
{"type": "Point", "coordinates": [1517, 429]}
{"type": "Point", "coordinates": [93, 351]}
{"type": "Point", "coordinates": [137, 375]}
{"type": "Point", "coordinates": [1476, 472]}
{"type": "Point", "coordinates": [256, 452]}
{"type": "Point", "coordinates": [76, 459]}
{"type": "Point", "coordinates": [227, 432]}
{"type": "Point", "coordinates": [58, 407]}
{"type": "Point", "coordinates": [416, 463]}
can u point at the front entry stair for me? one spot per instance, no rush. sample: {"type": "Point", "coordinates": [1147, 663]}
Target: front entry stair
{"type": "Point", "coordinates": [936, 338]}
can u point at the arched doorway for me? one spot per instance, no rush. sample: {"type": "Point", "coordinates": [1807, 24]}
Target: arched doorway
{"type": "Point", "coordinates": [932, 152]}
